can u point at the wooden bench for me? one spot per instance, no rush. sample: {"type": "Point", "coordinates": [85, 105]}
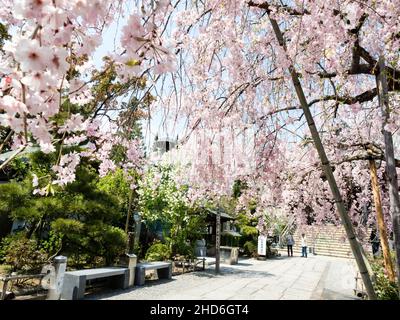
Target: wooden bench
{"type": "Point", "coordinates": [75, 281]}
{"type": "Point", "coordinates": [164, 271]}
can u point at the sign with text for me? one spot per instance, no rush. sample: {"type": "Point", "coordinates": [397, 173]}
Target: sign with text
{"type": "Point", "coordinates": [262, 245]}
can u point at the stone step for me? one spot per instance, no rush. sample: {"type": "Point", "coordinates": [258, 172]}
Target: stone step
{"type": "Point", "coordinates": [323, 240]}
{"type": "Point", "coordinates": [325, 252]}
{"type": "Point", "coordinates": [322, 236]}
{"type": "Point", "coordinates": [334, 254]}
{"type": "Point", "coordinates": [328, 240]}
{"type": "Point", "coordinates": [325, 244]}
{"type": "Point", "coordinates": [325, 236]}
{"type": "Point", "coordinates": [322, 251]}
{"type": "Point", "coordinates": [331, 247]}
{"type": "Point", "coordinates": [348, 254]}
{"type": "Point", "coordinates": [326, 249]}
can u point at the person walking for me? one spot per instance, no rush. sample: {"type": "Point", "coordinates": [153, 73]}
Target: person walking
{"type": "Point", "coordinates": [290, 243]}
{"type": "Point", "coordinates": [303, 245]}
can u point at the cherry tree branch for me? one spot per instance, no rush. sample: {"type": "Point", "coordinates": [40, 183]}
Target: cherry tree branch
{"type": "Point", "coordinates": [7, 138]}
{"type": "Point", "coordinates": [16, 153]}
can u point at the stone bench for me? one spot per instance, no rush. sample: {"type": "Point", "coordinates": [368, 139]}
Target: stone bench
{"type": "Point", "coordinates": [164, 271]}
{"type": "Point", "coordinates": [75, 281]}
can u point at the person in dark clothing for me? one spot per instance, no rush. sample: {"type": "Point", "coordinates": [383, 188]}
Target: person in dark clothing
{"type": "Point", "coordinates": [290, 243]}
{"type": "Point", "coordinates": [375, 242]}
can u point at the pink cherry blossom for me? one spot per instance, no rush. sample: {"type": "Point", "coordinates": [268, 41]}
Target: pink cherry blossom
{"type": "Point", "coordinates": [31, 56]}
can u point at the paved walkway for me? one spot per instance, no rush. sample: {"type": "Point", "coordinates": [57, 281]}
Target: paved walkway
{"type": "Point", "coordinates": [282, 278]}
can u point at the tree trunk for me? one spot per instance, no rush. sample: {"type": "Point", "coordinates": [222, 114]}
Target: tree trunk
{"type": "Point", "coordinates": [129, 239]}
{"type": "Point", "coordinates": [129, 211]}
{"type": "Point", "coordinates": [390, 161]}
{"type": "Point", "coordinates": [355, 246]}
{"type": "Point", "coordinates": [381, 222]}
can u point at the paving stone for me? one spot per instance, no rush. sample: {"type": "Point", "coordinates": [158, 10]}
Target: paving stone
{"type": "Point", "coordinates": [307, 287]}
{"type": "Point", "coordinates": [293, 297]}
{"type": "Point", "coordinates": [295, 278]}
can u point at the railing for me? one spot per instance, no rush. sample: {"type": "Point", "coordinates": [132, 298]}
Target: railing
{"type": "Point", "coordinates": [189, 264]}
{"type": "Point", "coordinates": [9, 279]}
{"type": "Point", "coordinates": [359, 289]}
{"type": "Point", "coordinates": [51, 279]}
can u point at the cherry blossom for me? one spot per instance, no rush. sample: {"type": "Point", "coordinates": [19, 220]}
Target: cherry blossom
{"type": "Point", "coordinates": [39, 72]}
{"type": "Point", "coordinates": [232, 73]}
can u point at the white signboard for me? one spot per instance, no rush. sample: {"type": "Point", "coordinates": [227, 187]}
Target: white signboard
{"type": "Point", "coordinates": [262, 246]}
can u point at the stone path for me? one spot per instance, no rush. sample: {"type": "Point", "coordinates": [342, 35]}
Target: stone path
{"type": "Point", "coordinates": [283, 278]}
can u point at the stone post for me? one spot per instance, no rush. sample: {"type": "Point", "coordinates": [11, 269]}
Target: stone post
{"type": "Point", "coordinates": [129, 260]}
{"type": "Point", "coordinates": [55, 289]}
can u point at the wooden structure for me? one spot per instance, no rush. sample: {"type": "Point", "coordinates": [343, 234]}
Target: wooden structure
{"type": "Point", "coordinates": [181, 264]}
{"type": "Point", "coordinates": [216, 219]}
{"type": "Point", "coordinates": [4, 294]}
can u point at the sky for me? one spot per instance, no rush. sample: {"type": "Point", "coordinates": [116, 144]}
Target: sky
{"type": "Point", "coordinates": [157, 125]}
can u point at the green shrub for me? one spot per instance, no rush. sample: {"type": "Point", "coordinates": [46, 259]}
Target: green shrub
{"type": "Point", "coordinates": [53, 244]}
{"type": "Point", "coordinates": [22, 254]}
{"type": "Point", "coordinates": [250, 248]}
{"type": "Point", "coordinates": [158, 252]}
{"type": "Point", "coordinates": [185, 249]}
{"type": "Point", "coordinates": [90, 241]}
{"type": "Point", "coordinates": [384, 288]}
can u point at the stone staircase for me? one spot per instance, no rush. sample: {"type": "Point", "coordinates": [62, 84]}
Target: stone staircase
{"type": "Point", "coordinates": [328, 240]}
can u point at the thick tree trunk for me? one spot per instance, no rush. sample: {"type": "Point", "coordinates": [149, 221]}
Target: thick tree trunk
{"type": "Point", "coordinates": [390, 162]}
{"type": "Point", "coordinates": [381, 222]}
{"type": "Point", "coordinates": [355, 246]}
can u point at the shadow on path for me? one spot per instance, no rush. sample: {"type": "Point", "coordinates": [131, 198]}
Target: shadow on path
{"type": "Point", "coordinates": [109, 292]}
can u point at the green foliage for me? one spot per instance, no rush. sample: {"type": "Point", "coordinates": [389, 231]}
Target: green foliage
{"type": "Point", "coordinates": [4, 244]}
{"type": "Point", "coordinates": [279, 225]}
{"type": "Point", "coordinates": [384, 288]}
{"type": "Point", "coordinates": [250, 248]}
{"type": "Point", "coordinates": [249, 231]}
{"type": "Point", "coordinates": [82, 221]}
{"type": "Point", "coordinates": [22, 254]}
{"type": "Point", "coordinates": [158, 252]}
{"type": "Point", "coordinates": [53, 244]}
{"type": "Point", "coordinates": [16, 200]}
{"type": "Point", "coordinates": [67, 226]}
{"type": "Point", "coordinates": [4, 35]}
{"type": "Point", "coordinates": [115, 184]}
{"type": "Point", "coordinates": [185, 249]}
{"type": "Point", "coordinates": [238, 187]}
{"type": "Point", "coordinates": [161, 199]}
{"type": "Point", "coordinates": [17, 169]}
{"type": "Point", "coordinates": [41, 163]}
